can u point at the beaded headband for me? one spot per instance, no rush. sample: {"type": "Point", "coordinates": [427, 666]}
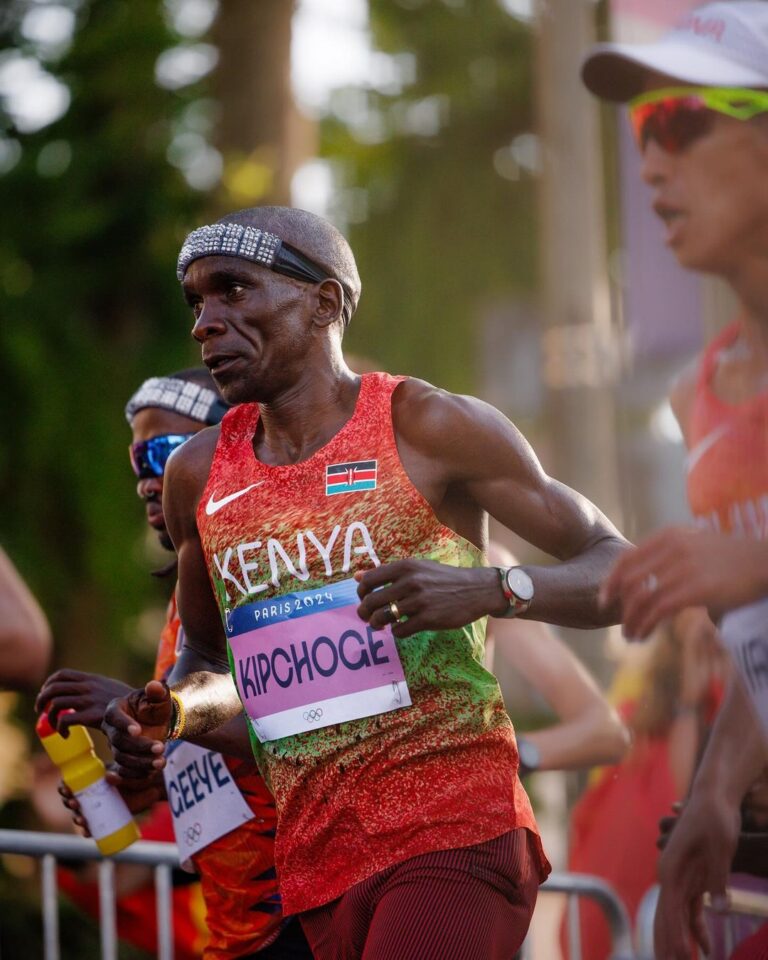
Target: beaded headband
{"type": "Point", "coordinates": [258, 246]}
{"type": "Point", "coordinates": [179, 396]}
{"type": "Point", "coordinates": [228, 240]}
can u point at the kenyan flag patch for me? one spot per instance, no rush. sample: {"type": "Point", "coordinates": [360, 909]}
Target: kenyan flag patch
{"type": "Point", "coordinates": [350, 477]}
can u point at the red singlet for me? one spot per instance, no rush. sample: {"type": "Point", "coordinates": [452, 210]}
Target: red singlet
{"type": "Point", "coordinates": [360, 796]}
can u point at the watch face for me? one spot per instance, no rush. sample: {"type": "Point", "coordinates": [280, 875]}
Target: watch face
{"type": "Point", "coordinates": [520, 583]}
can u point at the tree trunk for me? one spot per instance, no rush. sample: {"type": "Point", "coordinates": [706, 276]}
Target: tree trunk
{"type": "Point", "coordinates": [580, 362]}
{"type": "Point", "coordinates": [258, 131]}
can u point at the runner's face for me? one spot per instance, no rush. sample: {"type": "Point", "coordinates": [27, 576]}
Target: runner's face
{"type": "Point", "coordinates": [254, 326]}
{"type": "Point", "coordinates": [156, 422]}
{"type": "Point", "coordinates": [713, 196]}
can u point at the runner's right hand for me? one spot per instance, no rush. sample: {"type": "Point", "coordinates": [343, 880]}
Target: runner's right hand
{"type": "Point", "coordinates": [137, 727]}
{"type": "Point", "coordinates": [86, 695]}
{"type": "Point", "coordinates": [696, 860]}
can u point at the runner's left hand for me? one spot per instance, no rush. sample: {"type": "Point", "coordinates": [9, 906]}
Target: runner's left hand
{"type": "Point", "coordinates": [428, 595]}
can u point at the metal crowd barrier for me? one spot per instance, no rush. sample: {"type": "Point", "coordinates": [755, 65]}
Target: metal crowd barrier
{"type": "Point", "coordinates": [741, 903]}
{"type": "Point", "coordinates": [50, 847]}
{"type": "Point", "coordinates": [576, 885]}
{"type": "Point", "coordinates": [644, 924]}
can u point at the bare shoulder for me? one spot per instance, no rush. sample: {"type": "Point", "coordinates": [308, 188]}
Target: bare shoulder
{"type": "Point", "coordinates": [187, 470]}
{"type": "Point", "coordinates": [428, 417]}
{"type": "Point", "coordinates": [683, 393]}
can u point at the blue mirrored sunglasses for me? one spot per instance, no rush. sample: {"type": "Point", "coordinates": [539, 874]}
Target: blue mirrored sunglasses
{"type": "Point", "coordinates": [149, 457]}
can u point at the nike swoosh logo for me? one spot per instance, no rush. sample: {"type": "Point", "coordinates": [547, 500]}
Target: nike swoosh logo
{"type": "Point", "coordinates": [705, 444]}
{"type": "Point", "coordinates": [213, 505]}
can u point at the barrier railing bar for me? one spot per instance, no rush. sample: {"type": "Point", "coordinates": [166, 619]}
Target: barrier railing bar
{"type": "Point", "coordinates": [728, 934]}
{"type": "Point", "coordinates": [37, 844]}
{"type": "Point", "coordinates": [164, 856]}
{"type": "Point", "coordinates": [163, 909]}
{"type": "Point", "coordinates": [107, 910]}
{"type": "Point", "coordinates": [574, 927]}
{"type": "Point", "coordinates": [524, 953]}
{"type": "Point", "coordinates": [48, 847]}
{"type": "Point", "coordinates": [585, 885]}
{"type": "Point", "coordinates": [50, 908]}
{"type": "Point", "coordinates": [747, 902]}
{"type": "Point", "coordinates": [646, 911]}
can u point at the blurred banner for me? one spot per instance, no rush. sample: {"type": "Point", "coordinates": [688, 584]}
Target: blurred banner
{"type": "Point", "coordinates": [663, 305]}
{"type": "Point", "coordinates": [632, 17]}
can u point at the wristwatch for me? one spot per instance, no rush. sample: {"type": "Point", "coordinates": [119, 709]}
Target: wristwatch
{"type": "Point", "coordinates": [518, 589]}
{"type": "Point", "coordinates": [530, 758]}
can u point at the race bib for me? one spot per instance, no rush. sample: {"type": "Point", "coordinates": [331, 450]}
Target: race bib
{"type": "Point", "coordinates": [204, 799]}
{"type": "Point", "coordinates": [745, 634]}
{"type": "Point", "coordinates": [306, 660]}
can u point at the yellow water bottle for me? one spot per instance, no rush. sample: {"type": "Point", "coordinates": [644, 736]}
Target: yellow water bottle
{"type": "Point", "coordinates": [109, 820]}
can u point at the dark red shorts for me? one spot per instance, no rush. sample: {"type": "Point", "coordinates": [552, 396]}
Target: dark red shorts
{"type": "Point", "coordinates": [473, 903]}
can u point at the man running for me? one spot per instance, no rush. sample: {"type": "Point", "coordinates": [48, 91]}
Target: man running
{"type": "Point", "coordinates": [330, 545]}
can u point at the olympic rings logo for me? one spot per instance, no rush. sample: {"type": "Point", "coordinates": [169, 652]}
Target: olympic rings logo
{"type": "Point", "coordinates": [311, 715]}
{"type": "Point", "coordinates": [193, 834]}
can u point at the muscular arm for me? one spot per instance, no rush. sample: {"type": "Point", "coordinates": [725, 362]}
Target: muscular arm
{"type": "Point", "coordinates": [25, 637]}
{"type": "Point", "coordinates": [468, 461]}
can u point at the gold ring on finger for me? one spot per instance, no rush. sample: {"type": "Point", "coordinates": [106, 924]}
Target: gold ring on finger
{"type": "Point", "coordinates": [395, 611]}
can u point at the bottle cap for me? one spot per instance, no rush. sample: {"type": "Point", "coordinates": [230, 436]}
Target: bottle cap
{"type": "Point", "coordinates": [44, 728]}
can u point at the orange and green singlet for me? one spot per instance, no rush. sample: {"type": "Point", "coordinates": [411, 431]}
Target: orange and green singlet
{"type": "Point", "coordinates": [435, 764]}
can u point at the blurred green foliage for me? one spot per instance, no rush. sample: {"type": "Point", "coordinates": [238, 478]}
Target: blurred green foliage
{"type": "Point", "coordinates": [438, 232]}
{"type": "Point", "coordinates": [89, 307]}
{"type": "Point", "coordinates": [93, 213]}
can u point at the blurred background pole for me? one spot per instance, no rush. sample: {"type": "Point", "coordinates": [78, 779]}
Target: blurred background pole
{"type": "Point", "coordinates": [260, 132]}
{"type": "Point", "coordinates": [580, 344]}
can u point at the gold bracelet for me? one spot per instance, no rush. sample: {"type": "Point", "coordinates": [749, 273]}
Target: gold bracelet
{"type": "Point", "coordinates": [179, 717]}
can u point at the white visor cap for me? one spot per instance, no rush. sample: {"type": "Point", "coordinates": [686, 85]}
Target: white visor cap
{"type": "Point", "coordinates": [721, 44]}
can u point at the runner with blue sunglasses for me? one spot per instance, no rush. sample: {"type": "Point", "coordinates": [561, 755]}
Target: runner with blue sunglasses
{"type": "Point", "coordinates": [149, 457]}
{"type": "Point", "coordinates": [225, 828]}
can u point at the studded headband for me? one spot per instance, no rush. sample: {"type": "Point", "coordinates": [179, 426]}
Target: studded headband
{"type": "Point", "coordinates": [180, 396]}
{"type": "Point", "coordinates": [258, 246]}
